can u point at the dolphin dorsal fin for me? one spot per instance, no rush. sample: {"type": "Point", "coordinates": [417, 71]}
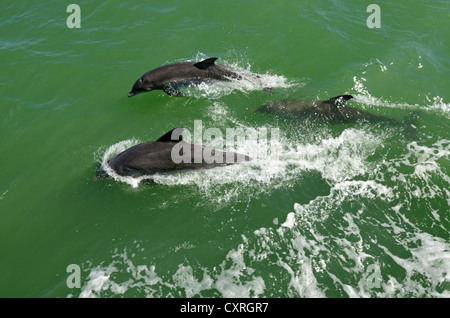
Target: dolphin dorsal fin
{"type": "Point", "coordinates": [340, 100]}
{"type": "Point", "coordinates": [173, 135]}
{"type": "Point", "coordinates": [203, 65]}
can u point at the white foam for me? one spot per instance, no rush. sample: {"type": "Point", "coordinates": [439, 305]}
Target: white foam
{"type": "Point", "coordinates": [3, 194]}
{"type": "Point", "coordinates": [439, 104]}
{"type": "Point", "coordinates": [226, 282]}
{"type": "Point", "coordinates": [184, 278]}
{"type": "Point", "coordinates": [303, 282]}
{"type": "Point", "coordinates": [229, 282]}
{"type": "Point", "coordinates": [290, 220]}
{"type": "Point", "coordinates": [98, 282]}
{"type": "Point", "coordinates": [431, 260]}
{"type": "Point", "coordinates": [423, 164]}
{"type": "Point", "coordinates": [364, 96]}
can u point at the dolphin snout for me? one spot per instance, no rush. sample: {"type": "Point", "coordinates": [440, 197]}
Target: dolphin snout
{"type": "Point", "coordinates": [131, 94]}
{"type": "Point", "coordinates": [100, 173]}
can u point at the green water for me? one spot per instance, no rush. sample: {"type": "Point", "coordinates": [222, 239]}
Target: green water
{"type": "Point", "coordinates": [357, 210]}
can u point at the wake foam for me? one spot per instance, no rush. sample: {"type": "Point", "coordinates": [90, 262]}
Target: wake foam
{"type": "Point", "coordinates": [435, 104]}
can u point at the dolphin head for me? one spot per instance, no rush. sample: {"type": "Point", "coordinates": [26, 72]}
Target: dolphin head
{"type": "Point", "coordinates": [142, 85]}
{"type": "Point", "coordinates": [100, 173]}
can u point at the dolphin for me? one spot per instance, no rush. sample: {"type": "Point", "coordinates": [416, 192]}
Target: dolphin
{"type": "Point", "coordinates": [170, 77]}
{"type": "Point", "coordinates": [334, 110]}
{"type": "Point", "coordinates": [169, 154]}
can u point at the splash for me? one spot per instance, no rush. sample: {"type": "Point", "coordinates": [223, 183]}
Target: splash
{"type": "Point", "coordinates": [283, 162]}
{"type": "Point", "coordinates": [247, 82]}
{"type": "Point", "coordinates": [114, 150]}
